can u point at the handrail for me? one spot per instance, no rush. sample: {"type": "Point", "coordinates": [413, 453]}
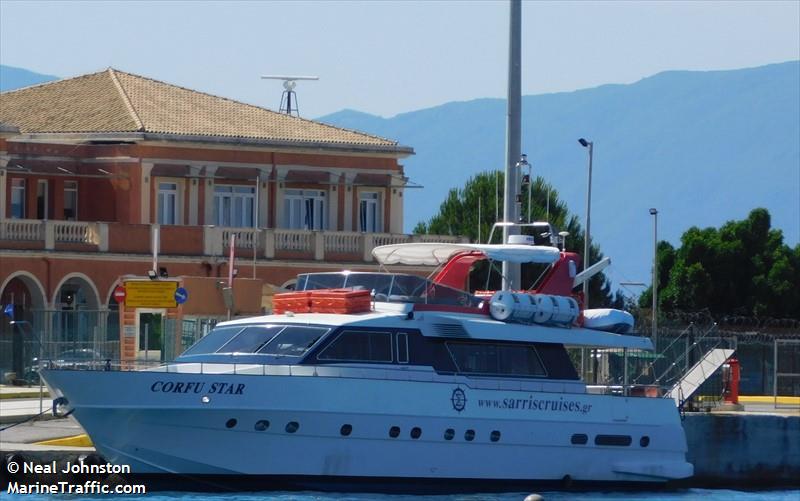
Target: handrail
{"type": "Point", "coordinates": [405, 373]}
{"type": "Point", "coordinates": [686, 352]}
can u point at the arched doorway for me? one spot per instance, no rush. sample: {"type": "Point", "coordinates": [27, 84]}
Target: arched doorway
{"type": "Point", "coordinates": [76, 292]}
{"type": "Point", "coordinates": [22, 305]}
{"type": "Point", "coordinates": [78, 321]}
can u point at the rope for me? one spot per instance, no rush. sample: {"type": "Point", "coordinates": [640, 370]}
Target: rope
{"type": "Point", "coordinates": [25, 421]}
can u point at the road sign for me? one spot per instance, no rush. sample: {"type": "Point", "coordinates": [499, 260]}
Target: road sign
{"type": "Point", "coordinates": [119, 294]}
{"type": "Point", "coordinates": [181, 295]}
{"type": "Point", "coordinates": [150, 294]}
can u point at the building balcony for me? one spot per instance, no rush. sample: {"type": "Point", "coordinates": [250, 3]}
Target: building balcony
{"type": "Point", "coordinates": [119, 238]}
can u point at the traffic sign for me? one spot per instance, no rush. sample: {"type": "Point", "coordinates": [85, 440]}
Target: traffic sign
{"type": "Point", "coordinates": [181, 295]}
{"type": "Point", "coordinates": [150, 294]}
{"type": "Point", "coordinates": [119, 294]}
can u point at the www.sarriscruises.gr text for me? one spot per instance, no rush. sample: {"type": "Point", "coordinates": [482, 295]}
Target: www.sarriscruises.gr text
{"type": "Point", "coordinates": [536, 404]}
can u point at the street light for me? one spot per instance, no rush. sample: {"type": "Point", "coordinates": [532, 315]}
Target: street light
{"type": "Point", "coordinates": [654, 334]}
{"type": "Point", "coordinates": [587, 144]}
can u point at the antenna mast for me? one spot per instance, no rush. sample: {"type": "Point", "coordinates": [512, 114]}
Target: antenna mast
{"type": "Point", "coordinates": [289, 83]}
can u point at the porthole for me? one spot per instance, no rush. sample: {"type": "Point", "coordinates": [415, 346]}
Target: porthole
{"type": "Point", "coordinates": [292, 426]}
{"type": "Point", "coordinates": [579, 439]}
{"type": "Point", "coordinates": [261, 425]}
{"type": "Point", "coordinates": [494, 436]}
{"type": "Point", "coordinates": [644, 441]}
{"type": "Point", "coordinates": [617, 440]}
{"type": "Point", "coordinates": [469, 435]}
{"type": "Point", "coordinates": [416, 432]}
{"type": "Point", "coordinates": [231, 423]}
{"type": "Point", "coordinates": [449, 434]}
{"type": "Point", "coordinates": [394, 431]}
{"type": "Point", "coordinates": [346, 430]}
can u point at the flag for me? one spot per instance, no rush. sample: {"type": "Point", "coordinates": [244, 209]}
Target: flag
{"type": "Point", "coordinates": [9, 311]}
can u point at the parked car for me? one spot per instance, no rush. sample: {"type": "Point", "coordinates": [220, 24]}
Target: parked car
{"type": "Point", "coordinates": [79, 358]}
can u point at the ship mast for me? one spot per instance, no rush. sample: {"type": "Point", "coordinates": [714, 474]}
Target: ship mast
{"type": "Point", "coordinates": [511, 271]}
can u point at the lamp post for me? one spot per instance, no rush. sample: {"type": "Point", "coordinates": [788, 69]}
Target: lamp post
{"type": "Point", "coordinates": [587, 144]}
{"type": "Point", "coordinates": [654, 334]}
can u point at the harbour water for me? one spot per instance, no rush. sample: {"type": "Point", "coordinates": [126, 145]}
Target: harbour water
{"type": "Point", "coordinates": [672, 495]}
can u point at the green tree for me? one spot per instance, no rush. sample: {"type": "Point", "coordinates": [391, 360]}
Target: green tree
{"type": "Point", "coordinates": [459, 215]}
{"type": "Point", "coordinates": [742, 268]}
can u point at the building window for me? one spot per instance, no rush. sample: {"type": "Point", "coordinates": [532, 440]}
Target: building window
{"type": "Point", "coordinates": [70, 200]}
{"type": "Point", "coordinates": [18, 198]}
{"type": "Point", "coordinates": [304, 209]}
{"type": "Point", "coordinates": [370, 212]}
{"type": "Point", "coordinates": [42, 199]}
{"type": "Point", "coordinates": [167, 203]}
{"type": "Point", "coordinates": [234, 206]}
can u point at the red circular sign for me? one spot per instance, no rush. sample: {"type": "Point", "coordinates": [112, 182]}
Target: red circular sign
{"type": "Point", "coordinates": [119, 294]}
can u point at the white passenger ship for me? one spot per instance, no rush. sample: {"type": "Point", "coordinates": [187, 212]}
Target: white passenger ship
{"type": "Point", "coordinates": [431, 389]}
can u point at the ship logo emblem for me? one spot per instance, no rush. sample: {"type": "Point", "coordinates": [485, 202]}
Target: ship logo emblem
{"type": "Point", "coordinates": [459, 399]}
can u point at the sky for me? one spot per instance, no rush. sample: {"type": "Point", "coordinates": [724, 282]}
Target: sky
{"type": "Point", "coordinates": [385, 57]}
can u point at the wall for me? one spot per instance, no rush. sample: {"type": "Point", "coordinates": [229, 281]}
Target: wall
{"type": "Point", "coordinates": [744, 449]}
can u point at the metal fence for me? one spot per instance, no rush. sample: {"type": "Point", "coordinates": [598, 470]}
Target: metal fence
{"type": "Point", "coordinates": [81, 337]}
{"type": "Point", "coordinates": [56, 334]}
{"type": "Point", "coordinates": [769, 357]}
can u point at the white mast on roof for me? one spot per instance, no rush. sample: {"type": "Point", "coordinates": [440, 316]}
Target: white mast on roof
{"type": "Point", "coordinates": [289, 83]}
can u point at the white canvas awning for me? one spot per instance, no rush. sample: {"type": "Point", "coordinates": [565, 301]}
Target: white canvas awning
{"type": "Point", "coordinates": [434, 254]}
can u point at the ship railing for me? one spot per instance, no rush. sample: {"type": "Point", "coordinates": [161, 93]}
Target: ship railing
{"type": "Point", "coordinates": [356, 371]}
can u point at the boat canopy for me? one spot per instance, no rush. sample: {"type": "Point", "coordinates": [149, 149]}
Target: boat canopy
{"type": "Point", "coordinates": [434, 254]}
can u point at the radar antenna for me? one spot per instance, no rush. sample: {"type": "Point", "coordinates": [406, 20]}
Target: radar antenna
{"type": "Point", "coordinates": [289, 105]}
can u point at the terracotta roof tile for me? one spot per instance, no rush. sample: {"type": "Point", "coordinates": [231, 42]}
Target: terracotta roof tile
{"type": "Point", "coordinates": [115, 101]}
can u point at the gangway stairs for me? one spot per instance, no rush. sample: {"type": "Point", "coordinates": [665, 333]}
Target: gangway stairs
{"type": "Point", "coordinates": [698, 374]}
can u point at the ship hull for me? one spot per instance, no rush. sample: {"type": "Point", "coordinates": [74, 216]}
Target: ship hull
{"type": "Point", "coordinates": [336, 433]}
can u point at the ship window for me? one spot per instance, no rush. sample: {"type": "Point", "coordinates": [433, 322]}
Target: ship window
{"type": "Point", "coordinates": [494, 436]}
{"type": "Point", "coordinates": [292, 426]}
{"type": "Point", "coordinates": [346, 430]}
{"type": "Point", "coordinates": [469, 435]}
{"type": "Point", "coordinates": [250, 339]}
{"type": "Point", "coordinates": [496, 359]}
{"type": "Point", "coordinates": [621, 440]}
{"type": "Point", "coordinates": [449, 434]}
{"type": "Point", "coordinates": [394, 431]}
{"type": "Point", "coordinates": [315, 281]}
{"type": "Point", "coordinates": [402, 348]}
{"type": "Point", "coordinates": [213, 340]}
{"type": "Point", "coordinates": [644, 441]}
{"type": "Point", "coordinates": [261, 425]}
{"type": "Point", "coordinates": [579, 439]}
{"type": "Point", "coordinates": [416, 432]}
{"type": "Point", "coordinates": [360, 346]}
{"type": "Point", "coordinates": [230, 423]}
{"type": "Point", "coordinates": [293, 341]}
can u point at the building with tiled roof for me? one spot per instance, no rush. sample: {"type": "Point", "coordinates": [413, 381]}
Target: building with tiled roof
{"type": "Point", "coordinates": [114, 104]}
{"type": "Point", "coordinates": [94, 168]}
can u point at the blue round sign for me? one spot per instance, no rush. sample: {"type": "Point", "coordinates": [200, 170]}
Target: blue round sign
{"type": "Point", "coordinates": [181, 295]}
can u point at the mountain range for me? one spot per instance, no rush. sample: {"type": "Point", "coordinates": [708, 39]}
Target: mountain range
{"type": "Point", "coordinates": [13, 78]}
{"type": "Point", "coordinates": [702, 147]}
